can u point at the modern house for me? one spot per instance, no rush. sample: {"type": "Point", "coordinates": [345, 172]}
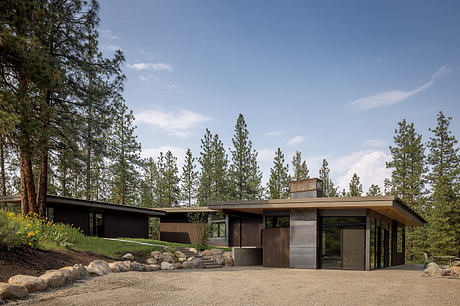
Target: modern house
{"type": "Point", "coordinates": [309, 231]}
{"type": "Point", "coordinates": [97, 218]}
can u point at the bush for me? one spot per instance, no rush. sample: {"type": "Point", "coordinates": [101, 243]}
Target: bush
{"type": "Point", "coordinates": [9, 232]}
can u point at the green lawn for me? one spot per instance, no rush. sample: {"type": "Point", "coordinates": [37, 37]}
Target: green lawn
{"type": "Point", "coordinates": [171, 244]}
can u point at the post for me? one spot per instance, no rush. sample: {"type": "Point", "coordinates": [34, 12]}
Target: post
{"type": "Point", "coordinates": [241, 236]}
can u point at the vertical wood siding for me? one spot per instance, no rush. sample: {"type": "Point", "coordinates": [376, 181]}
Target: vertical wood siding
{"type": "Point", "coordinates": [180, 232]}
{"type": "Point", "coordinates": [276, 247]}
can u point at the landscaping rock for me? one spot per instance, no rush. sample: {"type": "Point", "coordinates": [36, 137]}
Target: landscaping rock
{"type": "Point", "coordinates": [118, 266]}
{"type": "Point", "coordinates": [168, 258]}
{"type": "Point", "coordinates": [207, 253]}
{"type": "Point", "coordinates": [54, 279]}
{"type": "Point", "coordinates": [167, 254]}
{"type": "Point", "coordinates": [456, 264]}
{"type": "Point", "coordinates": [153, 268]}
{"type": "Point", "coordinates": [135, 266]}
{"type": "Point", "coordinates": [453, 271]}
{"type": "Point", "coordinates": [151, 261]}
{"type": "Point", "coordinates": [31, 283]}
{"type": "Point", "coordinates": [177, 265]}
{"type": "Point", "coordinates": [187, 265]}
{"type": "Point", "coordinates": [196, 263]}
{"type": "Point", "coordinates": [182, 259]}
{"type": "Point", "coordinates": [193, 250]}
{"type": "Point", "coordinates": [228, 259]}
{"type": "Point", "coordinates": [68, 274]}
{"type": "Point", "coordinates": [218, 259]}
{"type": "Point", "coordinates": [433, 270]}
{"type": "Point", "coordinates": [155, 253]}
{"type": "Point", "coordinates": [98, 268]}
{"type": "Point", "coordinates": [166, 266]}
{"type": "Point", "coordinates": [10, 291]}
{"type": "Point", "coordinates": [217, 251]}
{"type": "Point", "coordinates": [191, 258]}
{"type": "Point", "coordinates": [79, 272]}
{"type": "Point", "coordinates": [179, 254]}
{"type": "Point", "coordinates": [128, 256]}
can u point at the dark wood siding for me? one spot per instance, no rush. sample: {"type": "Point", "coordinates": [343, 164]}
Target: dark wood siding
{"type": "Point", "coordinates": [276, 247]}
{"type": "Point", "coordinates": [125, 225]}
{"type": "Point", "coordinates": [397, 258]}
{"type": "Point", "coordinates": [180, 232]}
{"type": "Point", "coordinates": [78, 216]}
{"type": "Point", "coordinates": [251, 230]}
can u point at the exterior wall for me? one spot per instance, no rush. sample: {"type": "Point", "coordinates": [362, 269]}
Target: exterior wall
{"type": "Point", "coordinates": [78, 216]}
{"type": "Point", "coordinates": [250, 232]}
{"type": "Point", "coordinates": [397, 258]}
{"type": "Point", "coordinates": [303, 238]}
{"type": "Point", "coordinates": [247, 256]}
{"type": "Point", "coordinates": [117, 224]}
{"type": "Point", "coordinates": [276, 247]}
{"type": "Point", "coordinates": [180, 232]}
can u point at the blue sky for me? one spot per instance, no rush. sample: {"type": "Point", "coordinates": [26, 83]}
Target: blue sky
{"type": "Point", "coordinates": [328, 78]}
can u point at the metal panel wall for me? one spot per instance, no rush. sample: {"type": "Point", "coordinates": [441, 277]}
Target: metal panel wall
{"type": "Point", "coordinates": [303, 238]}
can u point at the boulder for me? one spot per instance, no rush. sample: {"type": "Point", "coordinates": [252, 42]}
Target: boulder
{"type": "Point", "coordinates": [453, 271]}
{"type": "Point", "coordinates": [151, 261]}
{"type": "Point", "coordinates": [135, 266]}
{"type": "Point", "coordinates": [155, 253]}
{"type": "Point", "coordinates": [79, 272]}
{"type": "Point", "coordinates": [10, 291]}
{"type": "Point", "coordinates": [119, 266]}
{"type": "Point", "coordinates": [193, 250]}
{"type": "Point", "coordinates": [179, 254]}
{"type": "Point", "coordinates": [433, 270]}
{"type": "Point", "coordinates": [191, 258]}
{"type": "Point", "coordinates": [128, 256]}
{"type": "Point", "coordinates": [207, 253]}
{"type": "Point", "coordinates": [169, 258]}
{"type": "Point", "coordinates": [218, 259]}
{"type": "Point", "coordinates": [166, 266]}
{"type": "Point", "coordinates": [182, 259]}
{"type": "Point", "coordinates": [68, 274]}
{"type": "Point", "coordinates": [152, 267]}
{"type": "Point", "coordinates": [31, 283]}
{"type": "Point", "coordinates": [167, 254]}
{"type": "Point", "coordinates": [196, 263]}
{"type": "Point", "coordinates": [98, 268]}
{"type": "Point", "coordinates": [177, 265]}
{"type": "Point", "coordinates": [456, 264]}
{"type": "Point", "coordinates": [54, 279]}
{"type": "Point", "coordinates": [187, 265]}
{"type": "Point", "coordinates": [217, 251]}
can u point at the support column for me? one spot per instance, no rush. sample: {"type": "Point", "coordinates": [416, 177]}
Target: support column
{"type": "Point", "coordinates": [303, 238]}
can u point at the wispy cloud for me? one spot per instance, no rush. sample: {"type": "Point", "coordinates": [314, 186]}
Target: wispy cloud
{"type": "Point", "coordinates": [296, 140]}
{"type": "Point", "coordinates": [273, 133]}
{"type": "Point", "coordinates": [110, 47]}
{"type": "Point", "coordinates": [108, 34]}
{"type": "Point", "coordinates": [387, 98]}
{"type": "Point", "coordinates": [177, 122]}
{"type": "Point", "coordinates": [147, 77]}
{"type": "Point", "coordinates": [372, 143]}
{"type": "Point", "coordinates": [155, 152]}
{"type": "Point", "coordinates": [150, 66]}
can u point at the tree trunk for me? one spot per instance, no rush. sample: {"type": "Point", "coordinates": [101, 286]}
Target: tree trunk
{"type": "Point", "coordinates": [29, 182]}
{"type": "Point", "coordinates": [43, 178]}
{"type": "Point", "coordinates": [24, 201]}
{"type": "Point", "coordinates": [2, 162]}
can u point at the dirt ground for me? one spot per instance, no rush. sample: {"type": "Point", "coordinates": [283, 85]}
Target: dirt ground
{"type": "Point", "coordinates": [29, 261]}
{"type": "Point", "coordinates": [260, 286]}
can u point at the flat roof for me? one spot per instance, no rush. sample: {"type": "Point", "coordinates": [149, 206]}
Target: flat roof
{"type": "Point", "coordinates": [204, 209]}
{"type": "Point", "coordinates": [389, 206]}
{"type": "Point", "coordinates": [86, 203]}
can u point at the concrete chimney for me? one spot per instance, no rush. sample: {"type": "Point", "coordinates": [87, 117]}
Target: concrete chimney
{"type": "Point", "coordinates": [309, 188]}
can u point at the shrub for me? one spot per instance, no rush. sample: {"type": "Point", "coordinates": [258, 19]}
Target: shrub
{"type": "Point", "coordinates": [9, 232]}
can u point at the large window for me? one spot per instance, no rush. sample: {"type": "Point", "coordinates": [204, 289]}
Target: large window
{"type": "Point", "coordinates": [217, 229]}
{"type": "Point", "coordinates": [277, 221]}
{"type": "Point", "coordinates": [96, 224]}
{"type": "Point", "coordinates": [50, 213]}
{"type": "Point", "coordinates": [400, 239]}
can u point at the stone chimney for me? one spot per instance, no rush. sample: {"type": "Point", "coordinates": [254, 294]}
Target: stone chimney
{"type": "Point", "coordinates": [309, 188]}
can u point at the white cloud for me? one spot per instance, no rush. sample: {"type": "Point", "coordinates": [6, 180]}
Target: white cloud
{"type": "Point", "coordinates": [147, 77]}
{"type": "Point", "coordinates": [155, 152]}
{"type": "Point", "coordinates": [150, 66]}
{"type": "Point", "coordinates": [265, 155]}
{"type": "Point", "coordinates": [274, 133]}
{"type": "Point", "coordinates": [387, 98]}
{"type": "Point", "coordinates": [296, 140]}
{"type": "Point", "coordinates": [177, 122]}
{"type": "Point", "coordinates": [108, 34]}
{"type": "Point", "coordinates": [110, 47]}
{"type": "Point", "coordinates": [373, 143]}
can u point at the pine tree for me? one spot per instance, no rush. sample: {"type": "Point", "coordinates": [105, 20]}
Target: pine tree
{"type": "Point", "coordinates": [374, 190]}
{"type": "Point", "coordinates": [328, 186]}
{"type": "Point", "coordinates": [219, 191]}
{"type": "Point", "coordinates": [149, 183]}
{"type": "Point", "coordinates": [189, 179]}
{"type": "Point", "coordinates": [125, 155]}
{"type": "Point", "coordinates": [244, 173]}
{"type": "Point", "coordinates": [170, 176]}
{"type": "Point", "coordinates": [206, 173]}
{"type": "Point", "coordinates": [279, 183]}
{"type": "Point", "coordinates": [355, 189]}
{"type": "Point", "coordinates": [444, 179]}
{"type": "Point", "coordinates": [299, 167]}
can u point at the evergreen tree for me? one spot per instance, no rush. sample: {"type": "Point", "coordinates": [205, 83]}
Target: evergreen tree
{"type": "Point", "coordinates": [279, 183]}
{"type": "Point", "coordinates": [219, 191]}
{"type": "Point", "coordinates": [170, 177]}
{"type": "Point", "coordinates": [244, 173]}
{"type": "Point", "coordinates": [374, 190]}
{"type": "Point", "coordinates": [149, 183]}
{"type": "Point", "coordinates": [328, 186]}
{"type": "Point", "coordinates": [444, 179]}
{"type": "Point", "coordinates": [355, 189]}
{"type": "Point", "coordinates": [206, 173]}
{"type": "Point", "coordinates": [299, 167]}
{"type": "Point", "coordinates": [189, 179]}
{"type": "Point", "coordinates": [125, 155]}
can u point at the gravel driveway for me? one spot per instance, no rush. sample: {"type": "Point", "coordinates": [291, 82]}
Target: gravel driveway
{"type": "Point", "coordinates": [263, 286]}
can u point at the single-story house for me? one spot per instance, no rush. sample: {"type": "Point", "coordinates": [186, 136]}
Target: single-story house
{"type": "Point", "coordinates": [97, 218]}
{"type": "Point", "coordinates": [309, 231]}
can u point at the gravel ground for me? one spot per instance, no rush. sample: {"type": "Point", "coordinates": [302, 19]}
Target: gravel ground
{"type": "Point", "coordinates": [261, 286]}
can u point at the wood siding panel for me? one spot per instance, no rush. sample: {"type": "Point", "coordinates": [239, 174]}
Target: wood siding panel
{"type": "Point", "coordinates": [180, 232]}
{"type": "Point", "coordinates": [78, 216]}
{"type": "Point", "coordinates": [276, 247]}
{"type": "Point", "coordinates": [125, 225]}
{"type": "Point", "coordinates": [250, 229]}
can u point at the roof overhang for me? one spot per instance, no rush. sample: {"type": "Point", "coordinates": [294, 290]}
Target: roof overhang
{"type": "Point", "coordinates": [177, 210]}
{"type": "Point", "coordinates": [389, 206]}
{"type": "Point", "coordinates": [92, 204]}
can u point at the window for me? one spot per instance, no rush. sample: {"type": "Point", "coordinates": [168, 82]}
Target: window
{"type": "Point", "coordinates": [96, 224]}
{"type": "Point", "coordinates": [277, 221]}
{"type": "Point", "coordinates": [400, 240]}
{"type": "Point", "coordinates": [50, 213]}
{"type": "Point", "coordinates": [217, 229]}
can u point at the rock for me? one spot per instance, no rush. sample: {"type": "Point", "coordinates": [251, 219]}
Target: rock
{"type": "Point", "coordinates": [207, 253]}
{"type": "Point", "coordinates": [155, 253]}
{"type": "Point", "coordinates": [193, 250]}
{"type": "Point", "coordinates": [177, 265]}
{"type": "Point", "coordinates": [135, 266]}
{"type": "Point", "coordinates": [151, 261]}
{"type": "Point", "coordinates": [9, 291]}
{"type": "Point", "coordinates": [218, 259]}
{"type": "Point", "coordinates": [196, 263]}
{"type": "Point", "coordinates": [127, 263]}
{"type": "Point", "coordinates": [98, 268]}
{"type": "Point", "coordinates": [79, 272]}
{"type": "Point", "coordinates": [167, 254]}
{"type": "Point", "coordinates": [179, 254]}
{"type": "Point", "coordinates": [191, 258]}
{"type": "Point", "coordinates": [166, 266]}
{"type": "Point", "coordinates": [54, 279]}
{"type": "Point", "coordinates": [217, 251]}
{"type": "Point", "coordinates": [182, 259]}
{"type": "Point", "coordinates": [456, 264]}
{"type": "Point", "coordinates": [68, 274]}
{"type": "Point", "coordinates": [128, 256]}
{"type": "Point", "coordinates": [433, 270]}
{"type": "Point", "coordinates": [228, 259]}
{"type": "Point", "coordinates": [118, 266]}
{"type": "Point", "coordinates": [453, 271]}
{"type": "Point", "coordinates": [31, 283]}
{"type": "Point", "coordinates": [169, 258]}
{"type": "Point", "coordinates": [152, 267]}
{"type": "Point", "coordinates": [187, 265]}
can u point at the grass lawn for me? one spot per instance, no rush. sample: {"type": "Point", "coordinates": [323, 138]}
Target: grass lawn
{"type": "Point", "coordinates": [171, 244]}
